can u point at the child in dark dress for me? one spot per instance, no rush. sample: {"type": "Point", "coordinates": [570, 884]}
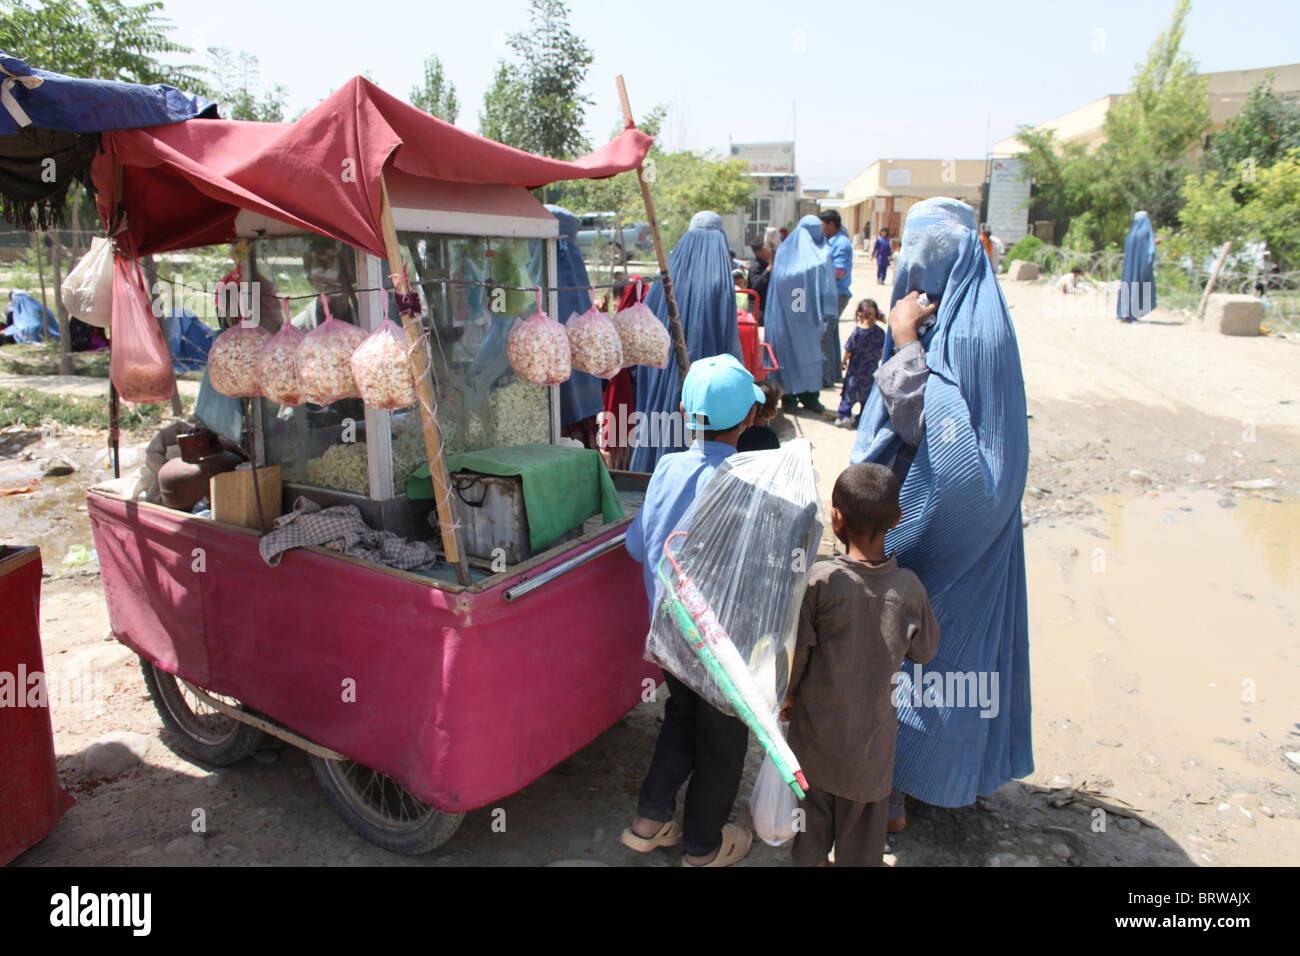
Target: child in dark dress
{"type": "Point", "coordinates": [761, 436]}
{"type": "Point", "coordinates": [861, 357]}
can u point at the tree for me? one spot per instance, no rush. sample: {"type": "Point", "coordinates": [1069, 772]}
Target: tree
{"type": "Point", "coordinates": [436, 95]}
{"type": "Point", "coordinates": [536, 103]}
{"type": "Point", "coordinates": [685, 182]}
{"type": "Point", "coordinates": [1267, 127]}
{"type": "Point", "coordinates": [1220, 206]}
{"type": "Point", "coordinates": [238, 87]}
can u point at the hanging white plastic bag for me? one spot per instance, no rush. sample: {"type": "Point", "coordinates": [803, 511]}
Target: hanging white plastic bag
{"type": "Point", "coordinates": [539, 348]}
{"type": "Point", "coordinates": [88, 288]}
{"type": "Point", "coordinates": [772, 803]}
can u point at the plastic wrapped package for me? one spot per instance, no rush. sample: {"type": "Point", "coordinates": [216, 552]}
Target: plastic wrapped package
{"type": "Point", "coordinates": [771, 803]}
{"type": "Point", "coordinates": [380, 368]}
{"type": "Point", "coordinates": [325, 361]}
{"type": "Point", "coordinates": [140, 364]}
{"type": "Point", "coordinates": [595, 344]}
{"type": "Point", "coordinates": [727, 605]}
{"type": "Point", "coordinates": [277, 366]}
{"type": "Point", "coordinates": [644, 338]}
{"type": "Point", "coordinates": [539, 349]}
{"type": "Point", "coordinates": [88, 288]}
{"type": "Point", "coordinates": [232, 361]}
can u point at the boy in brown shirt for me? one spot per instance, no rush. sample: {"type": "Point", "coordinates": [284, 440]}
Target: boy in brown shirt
{"type": "Point", "coordinates": [861, 615]}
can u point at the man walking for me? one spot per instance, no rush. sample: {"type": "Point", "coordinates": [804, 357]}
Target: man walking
{"type": "Point", "coordinates": [841, 252]}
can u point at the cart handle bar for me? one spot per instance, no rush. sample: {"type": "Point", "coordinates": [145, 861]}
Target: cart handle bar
{"type": "Point", "coordinates": [564, 567]}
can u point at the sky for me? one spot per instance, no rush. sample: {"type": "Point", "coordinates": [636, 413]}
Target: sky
{"type": "Point", "coordinates": [849, 81]}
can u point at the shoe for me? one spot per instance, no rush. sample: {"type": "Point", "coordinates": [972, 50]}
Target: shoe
{"type": "Point", "coordinates": [670, 834]}
{"type": "Point", "coordinates": [736, 842]}
{"type": "Point", "coordinates": [844, 423]}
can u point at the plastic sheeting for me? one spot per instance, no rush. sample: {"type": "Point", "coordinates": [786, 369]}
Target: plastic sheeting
{"type": "Point", "coordinates": [750, 540]}
{"type": "Point", "coordinates": [801, 298]}
{"type": "Point", "coordinates": [27, 320]}
{"type": "Point", "coordinates": [700, 267]}
{"type": "Point", "coordinates": [961, 528]}
{"type": "Point", "coordinates": [189, 340]}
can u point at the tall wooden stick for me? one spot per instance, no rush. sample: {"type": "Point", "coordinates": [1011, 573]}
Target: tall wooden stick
{"type": "Point", "coordinates": [674, 320]}
{"type": "Point", "coordinates": [421, 368]}
{"type": "Point", "coordinates": [1214, 277]}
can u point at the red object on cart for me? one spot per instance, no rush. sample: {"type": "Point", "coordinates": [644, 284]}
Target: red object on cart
{"type": "Point", "coordinates": [31, 800]}
{"type": "Point", "coordinates": [461, 696]}
{"type": "Point", "coordinates": [752, 351]}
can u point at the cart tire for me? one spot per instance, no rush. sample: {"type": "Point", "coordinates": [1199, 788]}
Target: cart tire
{"type": "Point", "coordinates": [211, 737]}
{"type": "Point", "coordinates": [380, 810]}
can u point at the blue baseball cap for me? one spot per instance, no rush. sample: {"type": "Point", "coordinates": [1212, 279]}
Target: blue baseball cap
{"type": "Point", "coordinates": [722, 389]}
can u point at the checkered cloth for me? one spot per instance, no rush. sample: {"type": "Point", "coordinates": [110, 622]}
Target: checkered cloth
{"type": "Point", "coordinates": [341, 528]}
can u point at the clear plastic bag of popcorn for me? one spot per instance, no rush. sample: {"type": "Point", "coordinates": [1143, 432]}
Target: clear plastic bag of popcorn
{"type": "Point", "coordinates": [645, 340]}
{"type": "Point", "coordinates": [232, 361]}
{"type": "Point", "coordinates": [277, 364]}
{"type": "Point", "coordinates": [325, 361]}
{"type": "Point", "coordinates": [595, 344]}
{"type": "Point", "coordinates": [380, 368]}
{"type": "Point", "coordinates": [538, 348]}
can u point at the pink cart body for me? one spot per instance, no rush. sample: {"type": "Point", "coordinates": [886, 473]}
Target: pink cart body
{"type": "Point", "coordinates": [461, 696]}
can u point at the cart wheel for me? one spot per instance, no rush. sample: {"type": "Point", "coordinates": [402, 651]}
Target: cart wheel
{"type": "Point", "coordinates": [203, 732]}
{"type": "Point", "coordinates": [381, 810]}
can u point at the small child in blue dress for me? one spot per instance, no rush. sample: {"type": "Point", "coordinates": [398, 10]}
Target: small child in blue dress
{"type": "Point", "coordinates": [861, 357]}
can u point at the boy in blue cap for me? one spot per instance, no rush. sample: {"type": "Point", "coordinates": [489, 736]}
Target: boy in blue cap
{"type": "Point", "coordinates": [696, 740]}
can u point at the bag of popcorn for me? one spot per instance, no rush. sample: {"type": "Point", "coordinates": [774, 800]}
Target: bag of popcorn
{"type": "Point", "coordinates": [538, 349]}
{"type": "Point", "coordinates": [325, 361]}
{"type": "Point", "coordinates": [380, 368]}
{"type": "Point", "coordinates": [645, 340]}
{"type": "Point", "coordinates": [232, 361]}
{"type": "Point", "coordinates": [594, 343]}
{"type": "Point", "coordinates": [277, 364]}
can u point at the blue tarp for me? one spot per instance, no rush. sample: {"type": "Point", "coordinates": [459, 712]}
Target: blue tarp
{"type": "Point", "coordinates": [189, 340]}
{"type": "Point", "coordinates": [700, 267]}
{"type": "Point", "coordinates": [961, 529]}
{"type": "Point", "coordinates": [26, 325]}
{"type": "Point", "coordinates": [74, 105]}
{"type": "Point", "coordinates": [801, 297]}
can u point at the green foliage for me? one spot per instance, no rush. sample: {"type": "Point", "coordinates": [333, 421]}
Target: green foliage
{"type": "Point", "coordinates": [535, 103]}
{"type": "Point", "coordinates": [1025, 248]}
{"type": "Point", "coordinates": [238, 91]}
{"type": "Point", "coordinates": [682, 183]}
{"type": "Point", "coordinates": [97, 39]}
{"type": "Point", "coordinates": [29, 408]}
{"type": "Point", "coordinates": [436, 95]}
{"type": "Point", "coordinates": [1257, 137]}
{"type": "Point", "coordinates": [1141, 164]}
{"type": "Point", "coordinates": [1220, 207]}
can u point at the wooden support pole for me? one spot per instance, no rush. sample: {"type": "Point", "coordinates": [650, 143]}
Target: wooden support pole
{"type": "Point", "coordinates": [1214, 277]}
{"type": "Point", "coordinates": [418, 358]}
{"type": "Point", "coordinates": [674, 320]}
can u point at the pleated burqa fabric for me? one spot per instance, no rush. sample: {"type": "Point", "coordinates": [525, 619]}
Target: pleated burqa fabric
{"type": "Point", "coordinates": [700, 267]}
{"type": "Point", "coordinates": [801, 297]}
{"type": "Point", "coordinates": [1137, 284]}
{"type": "Point", "coordinates": [961, 529]}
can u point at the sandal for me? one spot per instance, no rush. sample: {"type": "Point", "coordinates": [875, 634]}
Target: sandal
{"type": "Point", "coordinates": [736, 842]}
{"type": "Point", "coordinates": [670, 834]}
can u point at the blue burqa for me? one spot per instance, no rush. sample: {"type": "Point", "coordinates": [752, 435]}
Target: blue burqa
{"type": "Point", "coordinates": [1137, 283]}
{"type": "Point", "coordinates": [961, 529]}
{"type": "Point", "coordinates": [700, 267]}
{"type": "Point", "coordinates": [801, 298]}
{"type": "Point", "coordinates": [580, 396]}
{"type": "Point", "coordinates": [32, 322]}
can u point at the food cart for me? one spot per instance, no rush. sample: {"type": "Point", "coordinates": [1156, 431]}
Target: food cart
{"type": "Point", "coordinates": [418, 695]}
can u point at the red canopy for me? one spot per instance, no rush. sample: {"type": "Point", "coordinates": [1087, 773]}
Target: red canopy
{"type": "Point", "coordinates": [184, 183]}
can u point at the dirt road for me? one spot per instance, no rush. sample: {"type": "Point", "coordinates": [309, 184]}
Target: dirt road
{"type": "Point", "coordinates": [1163, 640]}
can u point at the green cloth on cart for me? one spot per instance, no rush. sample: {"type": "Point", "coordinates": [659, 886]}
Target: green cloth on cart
{"type": "Point", "coordinates": [563, 486]}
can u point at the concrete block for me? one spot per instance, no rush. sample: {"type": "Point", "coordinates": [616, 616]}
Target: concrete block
{"type": "Point", "coordinates": [1230, 314]}
{"type": "Point", "coordinates": [1020, 270]}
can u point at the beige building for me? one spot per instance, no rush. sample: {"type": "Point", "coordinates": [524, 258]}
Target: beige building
{"type": "Point", "coordinates": [882, 193]}
{"type": "Point", "coordinates": [1227, 92]}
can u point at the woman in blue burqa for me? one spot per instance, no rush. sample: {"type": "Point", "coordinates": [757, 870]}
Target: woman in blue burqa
{"type": "Point", "coordinates": [1137, 282]}
{"type": "Point", "coordinates": [948, 416]}
{"type": "Point", "coordinates": [580, 395]}
{"type": "Point", "coordinates": [700, 267]}
{"type": "Point", "coordinates": [800, 299]}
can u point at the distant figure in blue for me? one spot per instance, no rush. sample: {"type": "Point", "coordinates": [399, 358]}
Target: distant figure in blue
{"type": "Point", "coordinates": [1137, 285]}
{"type": "Point", "coordinates": [801, 299]}
{"type": "Point", "coordinates": [30, 321]}
{"type": "Point", "coordinates": [580, 395]}
{"type": "Point", "coordinates": [948, 416]}
{"type": "Point", "coordinates": [882, 252]}
{"type": "Point", "coordinates": [840, 247]}
{"type": "Point", "coordinates": [700, 267]}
